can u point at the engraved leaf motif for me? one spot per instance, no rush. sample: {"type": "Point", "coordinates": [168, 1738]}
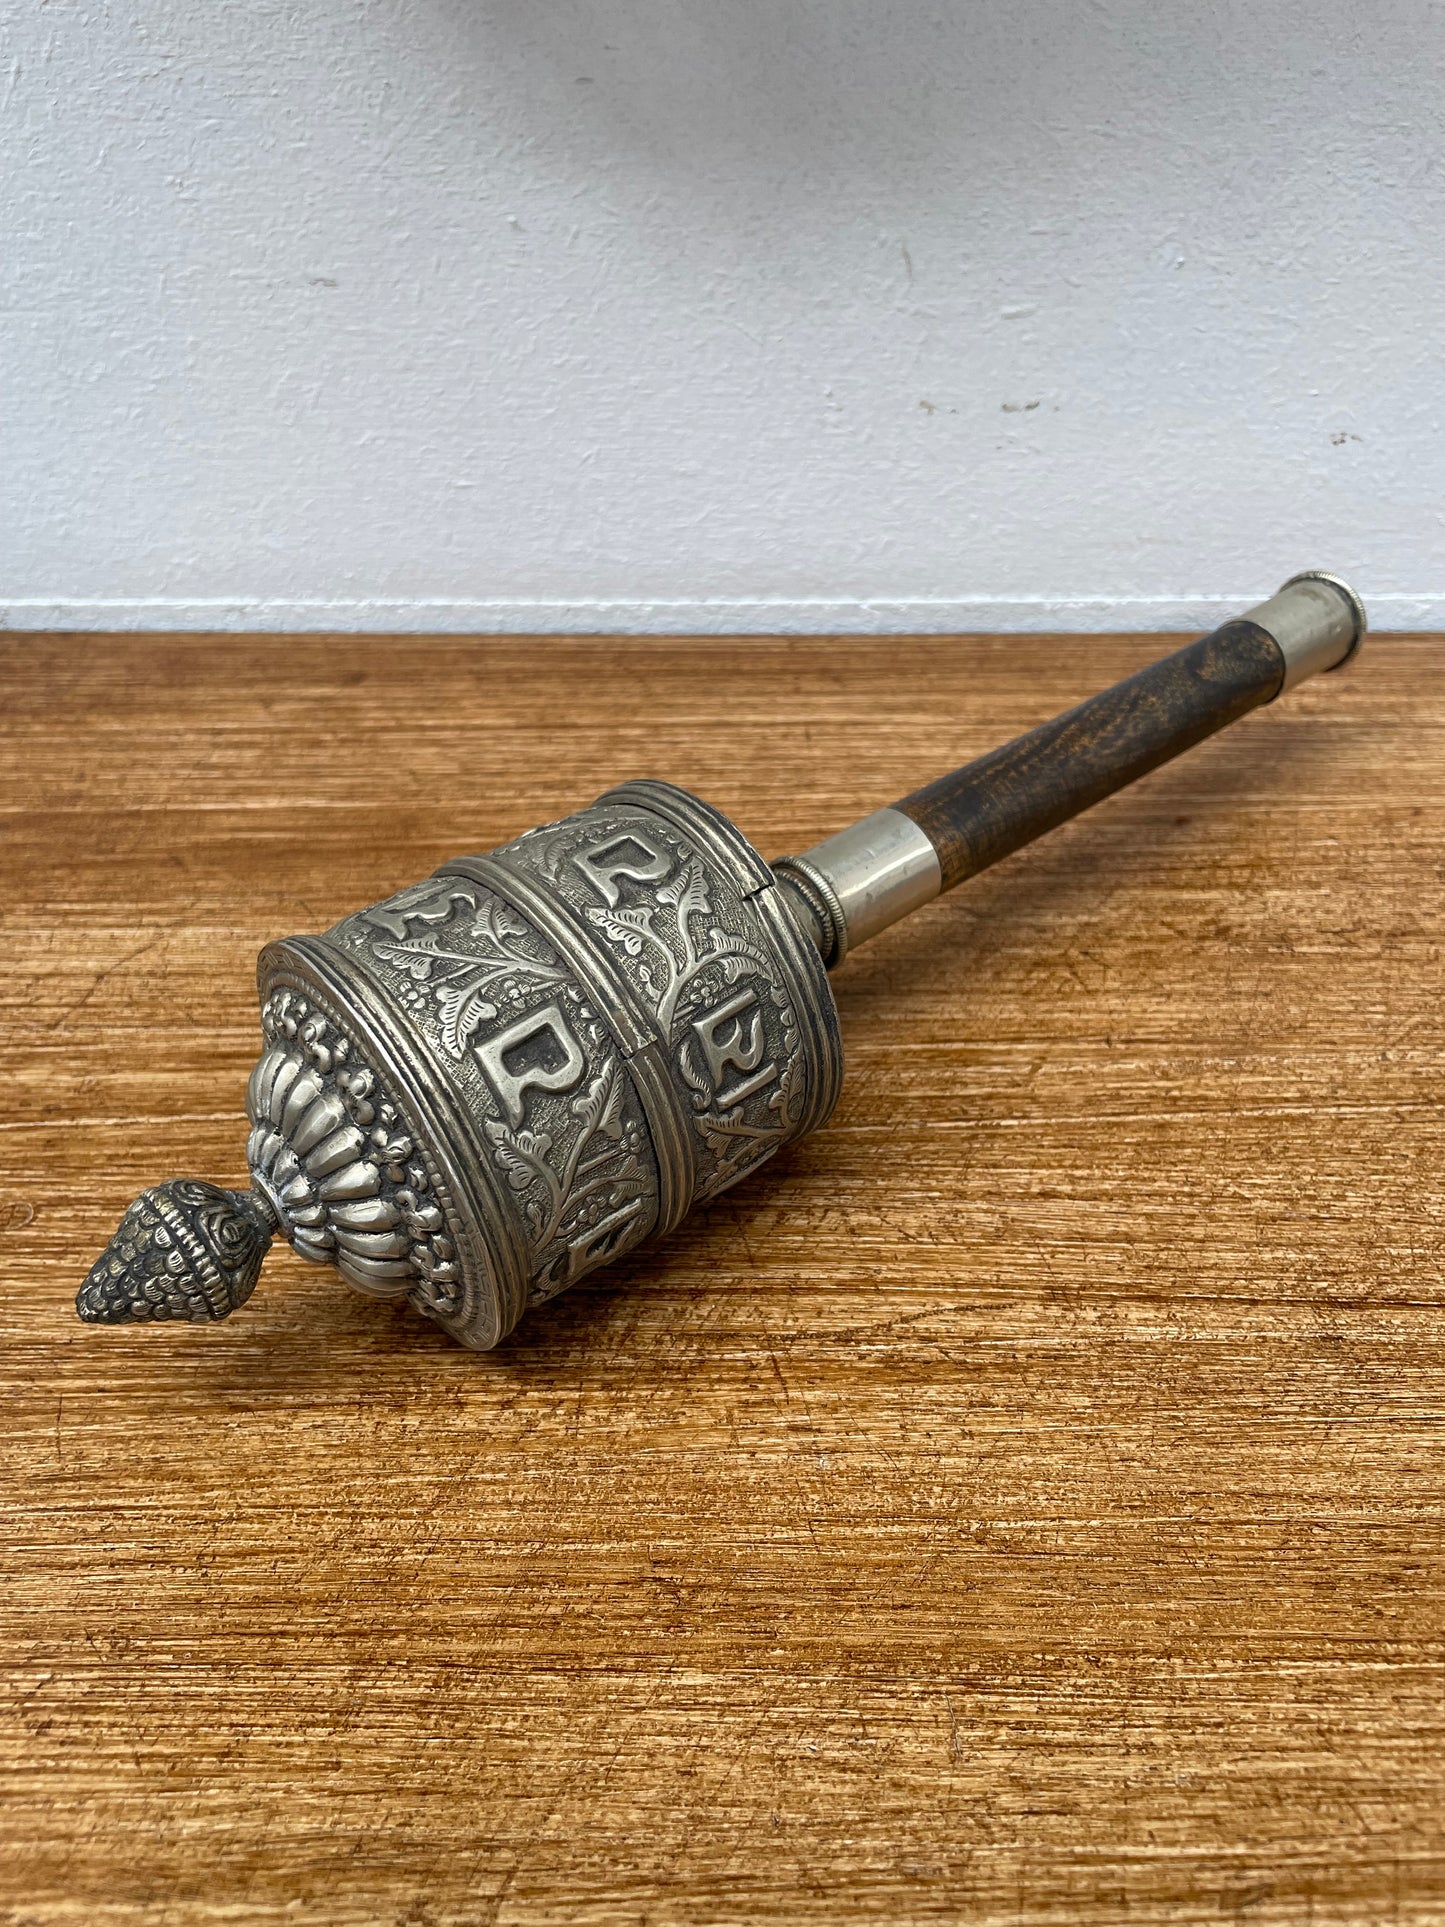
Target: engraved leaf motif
{"type": "Point", "coordinates": [610, 1123]}
{"type": "Point", "coordinates": [534, 1145]}
{"type": "Point", "coordinates": [692, 1076]}
{"type": "Point", "coordinates": [593, 1104]}
{"type": "Point", "coordinates": [495, 923]}
{"type": "Point", "coordinates": [412, 958]}
{"type": "Point", "coordinates": [601, 1118]}
{"type": "Point", "coordinates": [720, 1134]}
{"type": "Point", "coordinates": [463, 1011]}
{"type": "Point", "coordinates": [781, 1100]}
{"type": "Point", "coordinates": [688, 890]}
{"type": "Point", "coordinates": [728, 1137]}
{"type": "Point", "coordinates": [600, 1110]}
{"type": "Point", "coordinates": [626, 1188]}
{"type": "Point", "coordinates": [727, 944]}
{"type": "Point", "coordinates": [521, 1154]}
{"type": "Point", "coordinates": [627, 927]}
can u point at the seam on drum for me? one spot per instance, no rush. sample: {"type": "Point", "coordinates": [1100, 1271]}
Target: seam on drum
{"type": "Point", "coordinates": [812, 994]}
{"type": "Point", "coordinates": [639, 1043]}
{"type": "Point", "coordinates": [807, 978]}
{"type": "Point", "coordinates": [694, 818]}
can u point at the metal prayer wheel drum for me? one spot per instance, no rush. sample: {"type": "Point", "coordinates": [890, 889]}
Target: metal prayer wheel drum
{"type": "Point", "coordinates": [479, 1090]}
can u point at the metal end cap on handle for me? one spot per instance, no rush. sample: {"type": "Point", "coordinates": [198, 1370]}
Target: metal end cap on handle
{"type": "Point", "coordinates": [1317, 620]}
{"type": "Point", "coordinates": [1352, 598]}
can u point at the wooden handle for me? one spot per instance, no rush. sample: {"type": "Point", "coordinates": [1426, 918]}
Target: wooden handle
{"type": "Point", "coordinates": [858, 882]}
{"type": "Point", "coordinates": [990, 807]}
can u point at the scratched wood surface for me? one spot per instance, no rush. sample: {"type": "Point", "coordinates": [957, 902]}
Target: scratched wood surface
{"type": "Point", "coordinates": [1022, 1504]}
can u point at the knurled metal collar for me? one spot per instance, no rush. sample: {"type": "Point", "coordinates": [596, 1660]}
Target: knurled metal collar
{"type": "Point", "coordinates": [1357, 609]}
{"type": "Point", "coordinates": [826, 904]}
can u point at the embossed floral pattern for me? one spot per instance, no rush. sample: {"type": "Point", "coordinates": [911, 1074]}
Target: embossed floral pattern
{"type": "Point", "coordinates": [467, 987]}
{"type": "Point", "coordinates": [675, 960]}
{"type": "Point", "coordinates": [682, 954]}
{"type": "Point", "coordinates": [602, 1155]}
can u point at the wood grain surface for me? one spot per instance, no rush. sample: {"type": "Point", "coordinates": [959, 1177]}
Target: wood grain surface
{"type": "Point", "coordinates": [978, 814]}
{"type": "Point", "coordinates": [1021, 1504]}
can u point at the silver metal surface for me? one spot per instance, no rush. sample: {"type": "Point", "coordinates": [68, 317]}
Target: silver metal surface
{"type": "Point", "coordinates": [185, 1249]}
{"type": "Point", "coordinates": [1317, 620]}
{"type": "Point", "coordinates": [816, 906]}
{"type": "Point", "coordinates": [478, 1091]}
{"type": "Point", "coordinates": [871, 874]}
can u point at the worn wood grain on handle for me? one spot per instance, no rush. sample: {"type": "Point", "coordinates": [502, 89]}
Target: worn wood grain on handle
{"type": "Point", "coordinates": [991, 807]}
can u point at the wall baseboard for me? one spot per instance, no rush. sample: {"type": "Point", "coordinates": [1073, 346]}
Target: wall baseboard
{"type": "Point", "coordinates": [703, 616]}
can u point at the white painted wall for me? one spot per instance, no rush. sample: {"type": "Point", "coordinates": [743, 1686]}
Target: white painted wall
{"type": "Point", "coordinates": [718, 314]}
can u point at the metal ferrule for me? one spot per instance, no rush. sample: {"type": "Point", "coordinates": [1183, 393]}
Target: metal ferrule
{"type": "Point", "coordinates": [865, 878]}
{"type": "Point", "coordinates": [1318, 622]}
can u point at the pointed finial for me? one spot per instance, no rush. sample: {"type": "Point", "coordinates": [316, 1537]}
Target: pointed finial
{"type": "Point", "coordinates": [185, 1249]}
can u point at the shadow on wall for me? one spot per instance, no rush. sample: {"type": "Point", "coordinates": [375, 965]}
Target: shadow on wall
{"type": "Point", "coordinates": [716, 314]}
{"type": "Point", "coordinates": [827, 102]}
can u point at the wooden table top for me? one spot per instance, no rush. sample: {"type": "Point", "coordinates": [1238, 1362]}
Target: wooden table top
{"type": "Point", "coordinates": [1021, 1503]}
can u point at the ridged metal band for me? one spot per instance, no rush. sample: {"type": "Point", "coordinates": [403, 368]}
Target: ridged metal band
{"type": "Point", "coordinates": [822, 901]}
{"type": "Point", "coordinates": [637, 1039]}
{"type": "Point", "coordinates": [494, 1278]}
{"type": "Point", "coordinates": [868, 876]}
{"type": "Point", "coordinates": [800, 966]}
